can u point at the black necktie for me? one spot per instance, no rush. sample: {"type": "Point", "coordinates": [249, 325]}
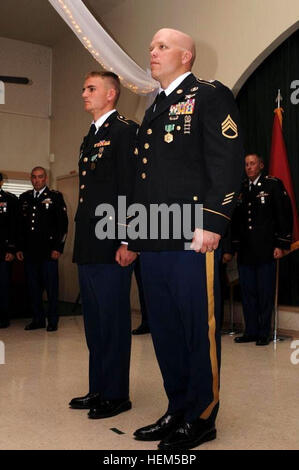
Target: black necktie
{"type": "Point", "coordinates": [36, 194]}
{"type": "Point", "coordinates": [159, 99]}
{"type": "Point", "coordinates": [92, 130]}
{"type": "Point", "coordinates": [90, 135]}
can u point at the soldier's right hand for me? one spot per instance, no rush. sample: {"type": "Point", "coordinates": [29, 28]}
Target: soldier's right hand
{"type": "Point", "coordinates": [125, 257]}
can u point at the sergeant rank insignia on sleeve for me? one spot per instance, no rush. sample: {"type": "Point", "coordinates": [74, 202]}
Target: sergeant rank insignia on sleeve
{"type": "Point", "coordinates": [229, 128]}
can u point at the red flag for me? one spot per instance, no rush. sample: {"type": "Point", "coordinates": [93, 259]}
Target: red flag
{"type": "Point", "coordinates": [279, 167]}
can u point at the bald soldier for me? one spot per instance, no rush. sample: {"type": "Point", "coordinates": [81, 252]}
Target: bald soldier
{"type": "Point", "coordinates": [189, 154]}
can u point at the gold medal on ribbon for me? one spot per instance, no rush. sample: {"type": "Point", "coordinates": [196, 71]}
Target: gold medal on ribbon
{"type": "Point", "coordinates": [168, 137]}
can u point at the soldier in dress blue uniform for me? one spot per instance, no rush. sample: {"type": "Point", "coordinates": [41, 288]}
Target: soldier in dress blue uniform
{"type": "Point", "coordinates": [106, 171]}
{"type": "Point", "coordinates": [189, 152]}
{"type": "Point", "coordinates": [42, 234]}
{"type": "Point", "coordinates": [8, 232]}
{"type": "Point", "coordinates": [262, 230]}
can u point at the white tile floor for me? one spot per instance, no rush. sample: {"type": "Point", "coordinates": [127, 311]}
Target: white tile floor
{"type": "Point", "coordinates": [43, 371]}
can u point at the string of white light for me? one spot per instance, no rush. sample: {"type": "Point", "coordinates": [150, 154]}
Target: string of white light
{"type": "Point", "coordinates": [102, 47]}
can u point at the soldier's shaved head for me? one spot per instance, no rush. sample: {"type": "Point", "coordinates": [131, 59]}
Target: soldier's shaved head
{"type": "Point", "coordinates": [183, 40]}
{"type": "Point", "coordinates": [172, 54]}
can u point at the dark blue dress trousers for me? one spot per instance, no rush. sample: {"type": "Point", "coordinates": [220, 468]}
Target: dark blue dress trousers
{"type": "Point", "coordinates": [105, 295]}
{"type": "Point", "coordinates": [182, 293]}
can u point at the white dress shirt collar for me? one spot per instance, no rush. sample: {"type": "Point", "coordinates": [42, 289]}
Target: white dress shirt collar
{"type": "Point", "coordinates": [39, 192]}
{"type": "Point", "coordinates": [174, 84]}
{"type": "Point", "coordinates": [99, 122]}
{"type": "Point", "coordinates": [255, 181]}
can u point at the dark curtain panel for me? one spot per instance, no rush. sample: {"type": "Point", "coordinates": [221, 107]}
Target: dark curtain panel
{"type": "Point", "coordinates": [256, 101]}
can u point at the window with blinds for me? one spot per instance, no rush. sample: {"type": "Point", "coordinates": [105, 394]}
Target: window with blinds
{"type": "Point", "coordinates": [16, 187]}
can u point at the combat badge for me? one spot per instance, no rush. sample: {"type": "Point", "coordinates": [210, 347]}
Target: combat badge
{"type": "Point", "coordinates": [47, 202]}
{"type": "Point", "coordinates": [229, 128]}
{"type": "Point", "coordinates": [262, 196]}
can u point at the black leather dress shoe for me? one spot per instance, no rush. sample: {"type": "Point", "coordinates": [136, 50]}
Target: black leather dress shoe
{"type": "Point", "coordinates": [4, 324]}
{"type": "Point", "coordinates": [52, 328]}
{"type": "Point", "coordinates": [85, 403]}
{"type": "Point", "coordinates": [141, 330]}
{"type": "Point", "coordinates": [160, 429]}
{"type": "Point", "coordinates": [34, 326]}
{"type": "Point", "coordinates": [189, 435]}
{"type": "Point", "coordinates": [263, 341]}
{"type": "Point", "coordinates": [245, 339]}
{"type": "Point", "coordinates": [108, 408]}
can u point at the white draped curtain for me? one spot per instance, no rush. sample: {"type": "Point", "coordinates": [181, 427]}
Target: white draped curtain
{"type": "Point", "coordinates": [102, 47]}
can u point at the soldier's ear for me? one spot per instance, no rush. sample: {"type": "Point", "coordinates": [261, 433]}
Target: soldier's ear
{"type": "Point", "coordinates": [111, 94]}
{"type": "Point", "coordinates": [186, 57]}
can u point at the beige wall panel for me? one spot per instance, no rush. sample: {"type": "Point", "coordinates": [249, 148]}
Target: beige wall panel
{"type": "Point", "coordinates": [24, 142]}
{"type": "Point", "coordinates": [69, 123]}
{"type": "Point", "coordinates": [24, 118]}
{"type": "Point", "coordinates": [68, 273]}
{"type": "Point", "coordinates": [23, 59]}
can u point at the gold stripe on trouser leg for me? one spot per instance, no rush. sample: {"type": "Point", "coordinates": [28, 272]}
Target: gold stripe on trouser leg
{"type": "Point", "coordinates": [212, 333]}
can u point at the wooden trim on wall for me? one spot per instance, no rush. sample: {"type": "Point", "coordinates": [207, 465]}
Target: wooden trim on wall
{"type": "Point", "coordinates": [70, 175]}
{"type": "Point", "coordinates": [15, 175]}
{"type": "Point", "coordinates": [289, 308]}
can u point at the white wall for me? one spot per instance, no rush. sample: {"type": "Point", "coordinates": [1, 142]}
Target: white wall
{"type": "Point", "coordinates": [25, 116]}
